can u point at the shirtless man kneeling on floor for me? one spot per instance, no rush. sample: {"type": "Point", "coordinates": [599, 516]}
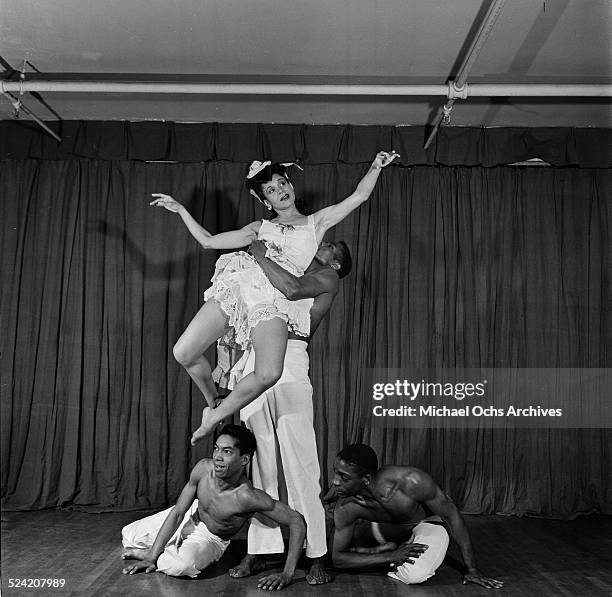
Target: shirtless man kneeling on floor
{"type": "Point", "coordinates": [395, 517]}
{"type": "Point", "coordinates": [185, 539]}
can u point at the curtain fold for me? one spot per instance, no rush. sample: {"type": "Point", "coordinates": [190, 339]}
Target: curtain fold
{"type": "Point", "coordinates": [311, 144]}
{"type": "Point", "coordinates": [453, 266]}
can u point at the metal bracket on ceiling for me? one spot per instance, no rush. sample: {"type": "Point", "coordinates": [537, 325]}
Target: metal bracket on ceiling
{"type": "Point", "coordinates": [17, 101]}
{"type": "Point", "coordinates": [457, 92]}
{"type": "Point", "coordinates": [447, 114]}
{"type": "Point", "coordinates": [454, 92]}
{"type": "Point", "coordinates": [457, 86]}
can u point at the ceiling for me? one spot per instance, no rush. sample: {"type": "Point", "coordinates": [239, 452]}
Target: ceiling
{"type": "Point", "coordinates": [311, 41]}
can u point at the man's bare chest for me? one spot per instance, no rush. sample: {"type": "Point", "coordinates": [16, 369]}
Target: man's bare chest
{"type": "Point", "coordinates": [222, 506]}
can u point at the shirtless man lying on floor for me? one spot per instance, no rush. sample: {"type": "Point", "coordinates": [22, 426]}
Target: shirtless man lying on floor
{"type": "Point", "coordinates": [395, 517]}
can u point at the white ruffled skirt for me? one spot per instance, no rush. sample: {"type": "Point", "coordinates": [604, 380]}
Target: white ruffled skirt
{"type": "Point", "coordinates": [246, 296]}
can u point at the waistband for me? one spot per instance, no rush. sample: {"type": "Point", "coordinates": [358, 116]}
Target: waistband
{"type": "Point", "coordinates": [201, 525]}
{"type": "Point", "coordinates": [438, 522]}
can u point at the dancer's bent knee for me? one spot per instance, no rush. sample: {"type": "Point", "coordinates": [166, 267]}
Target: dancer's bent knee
{"type": "Point", "coordinates": [184, 355]}
{"type": "Point", "coordinates": [173, 564]}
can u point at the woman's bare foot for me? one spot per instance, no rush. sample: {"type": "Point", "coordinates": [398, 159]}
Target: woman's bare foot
{"type": "Point", "coordinates": [317, 575]}
{"type": "Point", "coordinates": [250, 564]}
{"type": "Point", "coordinates": [207, 425]}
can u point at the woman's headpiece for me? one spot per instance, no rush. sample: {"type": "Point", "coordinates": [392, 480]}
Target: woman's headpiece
{"type": "Point", "coordinates": [256, 167]}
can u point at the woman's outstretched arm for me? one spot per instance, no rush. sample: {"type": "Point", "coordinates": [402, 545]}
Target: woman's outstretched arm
{"type": "Point", "coordinates": [234, 239]}
{"type": "Point", "coordinates": [330, 216]}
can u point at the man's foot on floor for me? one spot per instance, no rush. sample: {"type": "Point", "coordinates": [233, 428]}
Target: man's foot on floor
{"type": "Point", "coordinates": [317, 575]}
{"type": "Point", "coordinates": [250, 564]}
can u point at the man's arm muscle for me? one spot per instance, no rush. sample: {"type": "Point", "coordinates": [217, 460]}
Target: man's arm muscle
{"type": "Point", "coordinates": [257, 501]}
{"type": "Point", "coordinates": [293, 287]}
{"type": "Point", "coordinates": [422, 487]}
{"type": "Point", "coordinates": [343, 553]}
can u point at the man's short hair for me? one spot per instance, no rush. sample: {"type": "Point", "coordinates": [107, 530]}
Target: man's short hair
{"type": "Point", "coordinates": [343, 256]}
{"type": "Point", "coordinates": [362, 457]}
{"type": "Point", "coordinates": [245, 440]}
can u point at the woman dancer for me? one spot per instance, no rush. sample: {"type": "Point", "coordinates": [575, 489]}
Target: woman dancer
{"type": "Point", "coordinates": [241, 303]}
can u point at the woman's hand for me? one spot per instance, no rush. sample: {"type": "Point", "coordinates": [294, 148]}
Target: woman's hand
{"type": "Point", "coordinates": [166, 201]}
{"type": "Point", "coordinates": [384, 158]}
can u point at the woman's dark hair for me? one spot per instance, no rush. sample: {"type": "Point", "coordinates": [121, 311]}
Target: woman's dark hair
{"type": "Point", "coordinates": [265, 175]}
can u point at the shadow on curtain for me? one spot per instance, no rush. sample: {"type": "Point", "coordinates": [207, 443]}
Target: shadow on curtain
{"type": "Point", "coordinates": [454, 266]}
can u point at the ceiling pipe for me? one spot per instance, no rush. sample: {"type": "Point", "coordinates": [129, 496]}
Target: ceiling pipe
{"type": "Point", "coordinates": [531, 90]}
{"type": "Point", "coordinates": [460, 79]}
{"type": "Point", "coordinates": [527, 90]}
{"type": "Point", "coordinates": [451, 91]}
{"type": "Point", "coordinates": [221, 88]}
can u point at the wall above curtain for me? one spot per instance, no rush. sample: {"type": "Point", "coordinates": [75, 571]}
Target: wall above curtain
{"type": "Point", "coordinates": [312, 144]}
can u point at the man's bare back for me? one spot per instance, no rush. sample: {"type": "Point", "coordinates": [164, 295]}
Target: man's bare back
{"type": "Point", "coordinates": [404, 496]}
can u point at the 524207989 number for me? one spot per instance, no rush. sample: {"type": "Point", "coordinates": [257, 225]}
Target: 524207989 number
{"type": "Point", "coordinates": [36, 583]}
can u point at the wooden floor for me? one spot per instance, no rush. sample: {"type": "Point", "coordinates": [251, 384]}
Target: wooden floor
{"type": "Point", "coordinates": [533, 557]}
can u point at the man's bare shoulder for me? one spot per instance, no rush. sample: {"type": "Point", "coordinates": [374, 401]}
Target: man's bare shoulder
{"type": "Point", "coordinates": [252, 499]}
{"type": "Point", "coordinates": [328, 283]}
{"type": "Point", "coordinates": [395, 471]}
{"type": "Point", "coordinates": [331, 275]}
{"type": "Point", "coordinates": [347, 511]}
{"type": "Point", "coordinates": [325, 275]}
{"type": "Point", "coordinates": [201, 469]}
{"type": "Point", "coordinates": [204, 464]}
{"type": "Point", "coordinates": [412, 480]}
{"type": "Point", "coordinates": [325, 271]}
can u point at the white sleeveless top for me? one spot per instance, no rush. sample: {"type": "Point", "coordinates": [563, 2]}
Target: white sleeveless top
{"type": "Point", "coordinates": [296, 244]}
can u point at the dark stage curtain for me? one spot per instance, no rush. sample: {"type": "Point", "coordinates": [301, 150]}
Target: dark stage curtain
{"type": "Point", "coordinates": [325, 144]}
{"type": "Point", "coordinates": [454, 266]}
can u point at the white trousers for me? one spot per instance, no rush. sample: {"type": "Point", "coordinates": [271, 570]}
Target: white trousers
{"type": "Point", "coordinates": [191, 549]}
{"type": "Point", "coordinates": [436, 538]}
{"type": "Point", "coordinates": [282, 419]}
